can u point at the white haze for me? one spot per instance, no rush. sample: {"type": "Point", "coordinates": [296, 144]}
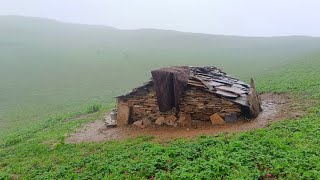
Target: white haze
{"type": "Point", "coordinates": [229, 17]}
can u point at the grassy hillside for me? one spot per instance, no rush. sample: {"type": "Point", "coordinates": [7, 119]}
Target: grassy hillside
{"type": "Point", "coordinates": [48, 67]}
{"type": "Point", "coordinates": [51, 71]}
{"type": "Point", "coordinates": [285, 150]}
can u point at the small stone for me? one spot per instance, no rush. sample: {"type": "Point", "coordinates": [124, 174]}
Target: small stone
{"type": "Point", "coordinates": [171, 120]}
{"type": "Point", "coordinates": [230, 118]}
{"type": "Point", "coordinates": [216, 119]}
{"type": "Point", "coordinates": [160, 121]}
{"type": "Point", "coordinates": [188, 129]}
{"type": "Point", "coordinates": [170, 123]}
{"type": "Point", "coordinates": [185, 120]}
{"type": "Point", "coordinates": [146, 122]}
{"type": "Point", "coordinates": [139, 124]}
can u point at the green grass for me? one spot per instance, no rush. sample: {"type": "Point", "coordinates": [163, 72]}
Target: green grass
{"type": "Point", "coordinates": [299, 77]}
{"type": "Point", "coordinates": [284, 150]}
{"type": "Point", "coordinates": [94, 108]}
{"type": "Point", "coordinates": [37, 109]}
{"type": "Point", "coordinates": [49, 68]}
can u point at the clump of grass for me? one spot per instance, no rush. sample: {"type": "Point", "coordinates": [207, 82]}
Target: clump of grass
{"type": "Point", "coordinates": [93, 108]}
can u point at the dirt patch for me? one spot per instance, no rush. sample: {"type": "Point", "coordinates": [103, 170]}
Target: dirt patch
{"type": "Point", "coordinates": [275, 107]}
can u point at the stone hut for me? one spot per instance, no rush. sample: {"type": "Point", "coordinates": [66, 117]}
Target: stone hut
{"type": "Point", "coordinates": [198, 92]}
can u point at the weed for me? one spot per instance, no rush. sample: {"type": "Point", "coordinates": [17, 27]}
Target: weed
{"type": "Point", "coordinates": [94, 108]}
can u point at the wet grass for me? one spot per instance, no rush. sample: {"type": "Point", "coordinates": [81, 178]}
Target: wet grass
{"type": "Point", "coordinates": [285, 150]}
{"type": "Point", "coordinates": [49, 68]}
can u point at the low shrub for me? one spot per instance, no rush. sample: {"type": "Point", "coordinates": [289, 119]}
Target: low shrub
{"type": "Point", "coordinates": [94, 108]}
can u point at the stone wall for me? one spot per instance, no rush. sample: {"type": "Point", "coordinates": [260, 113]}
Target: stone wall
{"type": "Point", "coordinates": [195, 101]}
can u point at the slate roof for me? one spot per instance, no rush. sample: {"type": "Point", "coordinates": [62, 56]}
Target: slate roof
{"type": "Point", "coordinates": [218, 82]}
{"type": "Point", "coordinates": [213, 80]}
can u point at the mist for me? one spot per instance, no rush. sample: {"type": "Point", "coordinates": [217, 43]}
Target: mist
{"type": "Point", "coordinates": [244, 18]}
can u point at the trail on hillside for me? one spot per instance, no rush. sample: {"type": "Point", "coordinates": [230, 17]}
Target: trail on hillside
{"type": "Point", "coordinates": [275, 107]}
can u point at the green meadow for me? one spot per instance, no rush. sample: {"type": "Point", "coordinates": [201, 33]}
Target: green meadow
{"type": "Point", "coordinates": [52, 71]}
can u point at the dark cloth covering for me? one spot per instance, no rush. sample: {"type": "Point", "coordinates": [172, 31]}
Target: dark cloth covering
{"type": "Point", "coordinates": [169, 84]}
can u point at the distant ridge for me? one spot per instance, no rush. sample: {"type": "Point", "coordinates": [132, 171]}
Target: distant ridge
{"type": "Point", "coordinates": [30, 19]}
{"type": "Point", "coordinates": [39, 20]}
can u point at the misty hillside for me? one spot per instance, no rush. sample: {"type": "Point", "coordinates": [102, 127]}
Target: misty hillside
{"type": "Point", "coordinates": [54, 65]}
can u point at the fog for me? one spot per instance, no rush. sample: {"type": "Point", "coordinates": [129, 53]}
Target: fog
{"type": "Point", "coordinates": [228, 17]}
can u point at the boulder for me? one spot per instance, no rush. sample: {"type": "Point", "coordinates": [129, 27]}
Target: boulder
{"type": "Point", "coordinates": [254, 101]}
{"type": "Point", "coordinates": [185, 120]}
{"type": "Point", "coordinates": [171, 120]}
{"type": "Point", "coordinates": [160, 121]}
{"type": "Point", "coordinates": [123, 114]}
{"type": "Point", "coordinates": [216, 119]}
{"type": "Point", "coordinates": [229, 118]}
{"type": "Point", "coordinates": [146, 122]}
{"type": "Point", "coordinates": [139, 124]}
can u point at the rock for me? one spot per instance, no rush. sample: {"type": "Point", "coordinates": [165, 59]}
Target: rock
{"type": "Point", "coordinates": [110, 123]}
{"type": "Point", "coordinates": [216, 119]}
{"type": "Point", "coordinates": [123, 114]}
{"type": "Point", "coordinates": [175, 124]}
{"type": "Point", "coordinates": [254, 101]}
{"type": "Point", "coordinates": [171, 120]}
{"type": "Point", "coordinates": [139, 124]}
{"type": "Point", "coordinates": [230, 118]}
{"type": "Point", "coordinates": [160, 121]}
{"type": "Point", "coordinates": [146, 122]}
{"type": "Point", "coordinates": [185, 120]}
{"type": "Point", "coordinates": [171, 123]}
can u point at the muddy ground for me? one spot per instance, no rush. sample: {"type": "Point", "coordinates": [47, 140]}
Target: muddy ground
{"type": "Point", "coordinates": [275, 107]}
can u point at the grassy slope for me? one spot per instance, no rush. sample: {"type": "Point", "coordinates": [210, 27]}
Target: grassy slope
{"type": "Point", "coordinates": [283, 150]}
{"type": "Point", "coordinates": [287, 149]}
{"type": "Point", "coordinates": [49, 68]}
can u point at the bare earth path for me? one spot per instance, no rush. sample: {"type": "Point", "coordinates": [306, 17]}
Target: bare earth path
{"type": "Point", "coordinates": [275, 107]}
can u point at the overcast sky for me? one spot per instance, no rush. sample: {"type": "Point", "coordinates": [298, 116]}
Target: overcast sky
{"type": "Point", "coordinates": [229, 17]}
